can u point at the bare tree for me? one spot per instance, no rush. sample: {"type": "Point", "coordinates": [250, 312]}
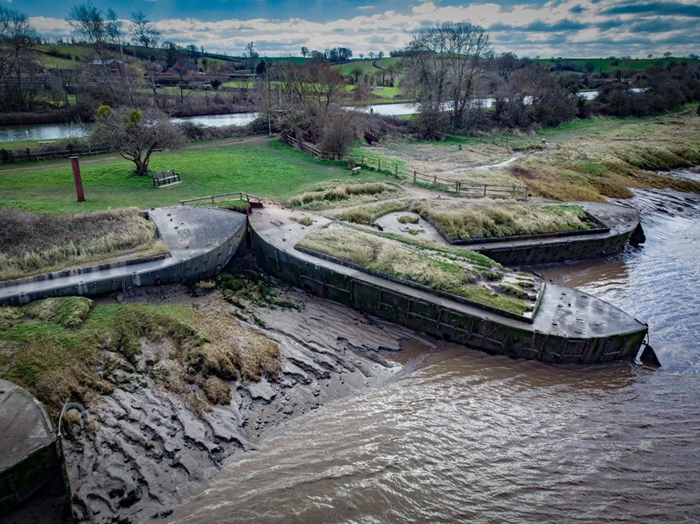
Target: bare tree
{"type": "Point", "coordinates": [137, 135]}
{"type": "Point", "coordinates": [250, 51]}
{"type": "Point", "coordinates": [505, 64]}
{"type": "Point", "coordinates": [145, 34]}
{"type": "Point", "coordinates": [448, 58]}
{"type": "Point", "coordinates": [115, 36]}
{"type": "Point", "coordinates": [91, 24]}
{"type": "Point", "coordinates": [18, 89]}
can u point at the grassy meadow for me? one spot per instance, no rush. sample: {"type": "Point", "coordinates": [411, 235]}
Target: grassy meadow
{"type": "Point", "coordinates": [606, 157]}
{"type": "Point", "coordinates": [605, 65]}
{"type": "Point", "coordinates": [262, 168]}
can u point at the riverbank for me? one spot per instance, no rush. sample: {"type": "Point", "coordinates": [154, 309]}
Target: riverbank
{"type": "Point", "coordinates": [467, 434]}
{"type": "Point", "coordinates": [153, 449]}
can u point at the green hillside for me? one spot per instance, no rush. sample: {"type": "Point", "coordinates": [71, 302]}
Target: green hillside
{"type": "Point", "coordinates": [366, 65]}
{"type": "Point", "coordinates": [605, 65]}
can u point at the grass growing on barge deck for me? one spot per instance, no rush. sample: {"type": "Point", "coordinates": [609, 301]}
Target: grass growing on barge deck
{"type": "Point", "coordinates": [486, 219]}
{"type": "Point", "coordinates": [40, 243]}
{"type": "Point", "coordinates": [444, 271]}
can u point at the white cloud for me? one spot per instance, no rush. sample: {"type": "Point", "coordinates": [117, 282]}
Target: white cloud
{"type": "Point", "coordinates": [559, 27]}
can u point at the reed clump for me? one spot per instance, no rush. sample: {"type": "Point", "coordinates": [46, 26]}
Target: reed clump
{"type": "Point", "coordinates": [31, 244]}
{"type": "Point", "coordinates": [489, 219]}
{"type": "Point", "coordinates": [341, 192]}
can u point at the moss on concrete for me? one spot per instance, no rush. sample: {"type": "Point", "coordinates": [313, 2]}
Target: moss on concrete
{"type": "Point", "coordinates": [443, 271]}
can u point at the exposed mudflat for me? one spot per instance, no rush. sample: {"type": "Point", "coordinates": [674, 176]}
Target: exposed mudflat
{"type": "Point", "coordinates": [143, 450]}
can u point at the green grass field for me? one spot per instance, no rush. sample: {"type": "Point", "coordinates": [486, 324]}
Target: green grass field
{"type": "Point", "coordinates": [605, 65]}
{"type": "Point", "coordinates": [366, 65]}
{"type": "Point", "coordinates": [265, 168]}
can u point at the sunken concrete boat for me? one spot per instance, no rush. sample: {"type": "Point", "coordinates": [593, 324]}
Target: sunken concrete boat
{"type": "Point", "coordinates": [201, 241]}
{"type": "Point", "coordinates": [565, 326]}
{"type": "Point", "coordinates": [28, 455]}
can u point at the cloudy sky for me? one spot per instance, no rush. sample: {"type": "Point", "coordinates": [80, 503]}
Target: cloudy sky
{"type": "Point", "coordinates": [569, 28]}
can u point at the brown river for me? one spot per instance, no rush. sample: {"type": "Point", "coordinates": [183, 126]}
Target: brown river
{"type": "Point", "coordinates": [468, 437]}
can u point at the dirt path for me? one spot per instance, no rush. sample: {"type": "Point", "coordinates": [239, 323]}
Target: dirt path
{"type": "Point", "coordinates": [505, 163]}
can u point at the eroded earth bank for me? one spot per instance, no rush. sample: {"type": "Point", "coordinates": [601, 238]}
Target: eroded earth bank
{"type": "Point", "coordinates": [146, 447]}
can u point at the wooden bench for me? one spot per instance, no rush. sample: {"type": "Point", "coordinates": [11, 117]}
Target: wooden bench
{"type": "Point", "coordinates": [166, 178]}
{"type": "Point", "coordinates": [355, 170]}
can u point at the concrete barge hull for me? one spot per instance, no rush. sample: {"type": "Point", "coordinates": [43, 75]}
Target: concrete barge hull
{"type": "Point", "coordinates": [621, 221]}
{"type": "Point", "coordinates": [477, 329]}
{"type": "Point", "coordinates": [201, 242]}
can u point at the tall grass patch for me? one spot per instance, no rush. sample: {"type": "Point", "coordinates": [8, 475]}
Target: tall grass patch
{"type": "Point", "coordinates": [341, 192]}
{"type": "Point", "coordinates": [441, 271]}
{"type": "Point", "coordinates": [489, 219]}
{"type": "Point", "coordinates": [367, 214]}
{"type": "Point", "coordinates": [40, 243]}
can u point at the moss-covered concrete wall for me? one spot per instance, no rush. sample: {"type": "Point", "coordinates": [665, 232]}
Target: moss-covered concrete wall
{"type": "Point", "coordinates": [206, 265]}
{"type": "Point", "coordinates": [26, 477]}
{"type": "Point", "coordinates": [569, 249]}
{"type": "Point", "coordinates": [432, 318]}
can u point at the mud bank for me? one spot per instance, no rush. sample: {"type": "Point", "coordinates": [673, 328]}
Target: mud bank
{"type": "Point", "coordinates": [143, 450]}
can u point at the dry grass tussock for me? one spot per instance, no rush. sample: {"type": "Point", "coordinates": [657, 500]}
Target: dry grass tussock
{"type": "Point", "coordinates": [304, 220]}
{"type": "Point", "coordinates": [443, 271]}
{"type": "Point", "coordinates": [369, 213]}
{"type": "Point", "coordinates": [462, 220]}
{"type": "Point", "coordinates": [39, 243]}
{"type": "Point", "coordinates": [609, 163]}
{"type": "Point", "coordinates": [232, 350]}
{"type": "Point", "coordinates": [55, 349]}
{"type": "Point", "coordinates": [337, 193]}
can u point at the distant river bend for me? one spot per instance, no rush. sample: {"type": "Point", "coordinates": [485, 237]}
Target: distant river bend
{"type": "Point", "coordinates": [60, 131]}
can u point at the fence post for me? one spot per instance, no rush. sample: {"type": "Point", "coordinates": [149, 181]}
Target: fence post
{"type": "Point", "coordinates": [485, 186]}
{"type": "Point", "coordinates": [415, 175]}
{"type": "Point", "coordinates": [396, 171]}
{"type": "Point", "coordinates": [457, 187]}
{"type": "Point", "coordinates": [379, 163]}
{"type": "Point", "coordinates": [435, 179]}
{"type": "Point", "coordinates": [513, 191]}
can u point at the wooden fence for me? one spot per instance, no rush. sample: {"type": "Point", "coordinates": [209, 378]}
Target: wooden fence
{"type": "Point", "coordinates": [472, 190]}
{"type": "Point", "coordinates": [13, 156]}
{"type": "Point", "coordinates": [239, 195]}
{"type": "Point", "coordinates": [310, 148]}
{"type": "Point", "coordinates": [458, 187]}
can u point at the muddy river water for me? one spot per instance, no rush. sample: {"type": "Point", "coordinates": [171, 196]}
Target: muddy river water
{"type": "Point", "coordinates": [465, 436]}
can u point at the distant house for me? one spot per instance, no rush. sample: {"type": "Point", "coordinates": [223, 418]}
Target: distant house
{"type": "Point", "coordinates": [113, 66]}
{"type": "Point", "coordinates": [182, 68]}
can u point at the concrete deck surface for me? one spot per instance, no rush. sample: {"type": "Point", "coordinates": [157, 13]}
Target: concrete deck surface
{"type": "Point", "coordinates": [188, 231]}
{"type": "Point", "coordinates": [563, 311]}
